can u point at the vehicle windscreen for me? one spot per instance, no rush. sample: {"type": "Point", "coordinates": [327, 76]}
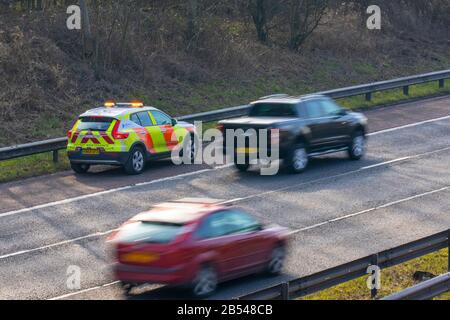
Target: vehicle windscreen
{"type": "Point", "coordinates": [149, 232]}
{"type": "Point", "coordinates": [272, 110]}
{"type": "Point", "coordinates": [94, 123]}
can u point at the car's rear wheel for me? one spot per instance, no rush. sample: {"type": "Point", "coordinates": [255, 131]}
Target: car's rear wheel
{"type": "Point", "coordinates": [189, 146]}
{"type": "Point", "coordinates": [242, 167]}
{"type": "Point", "coordinates": [298, 159]}
{"type": "Point", "coordinates": [276, 262]}
{"type": "Point", "coordinates": [357, 148]}
{"type": "Point", "coordinates": [79, 167]}
{"type": "Point", "coordinates": [126, 288]}
{"type": "Point", "coordinates": [241, 162]}
{"type": "Point", "coordinates": [136, 161]}
{"type": "Point", "coordinates": [205, 282]}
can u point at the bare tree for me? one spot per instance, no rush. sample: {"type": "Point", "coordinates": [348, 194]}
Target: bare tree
{"type": "Point", "coordinates": [86, 28]}
{"type": "Point", "coordinates": [262, 13]}
{"type": "Point", "coordinates": [192, 15]}
{"type": "Point", "coordinates": [304, 18]}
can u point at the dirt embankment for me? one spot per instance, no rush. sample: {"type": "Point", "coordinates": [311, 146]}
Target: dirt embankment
{"type": "Point", "coordinates": [46, 81]}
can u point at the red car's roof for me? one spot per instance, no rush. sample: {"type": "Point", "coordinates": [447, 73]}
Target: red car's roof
{"type": "Point", "coordinates": [177, 212]}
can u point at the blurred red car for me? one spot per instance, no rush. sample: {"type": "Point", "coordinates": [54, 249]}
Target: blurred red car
{"type": "Point", "coordinates": [195, 242]}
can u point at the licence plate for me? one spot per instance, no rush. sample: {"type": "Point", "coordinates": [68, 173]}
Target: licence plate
{"type": "Point", "coordinates": [247, 150]}
{"type": "Point", "coordinates": [140, 257]}
{"type": "Point", "coordinates": [91, 151]}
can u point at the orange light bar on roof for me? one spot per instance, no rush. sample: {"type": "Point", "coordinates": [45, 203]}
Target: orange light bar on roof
{"type": "Point", "coordinates": [137, 104]}
{"type": "Point", "coordinates": [109, 104]}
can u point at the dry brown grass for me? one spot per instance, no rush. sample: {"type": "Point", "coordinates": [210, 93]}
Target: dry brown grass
{"type": "Point", "coordinates": [46, 82]}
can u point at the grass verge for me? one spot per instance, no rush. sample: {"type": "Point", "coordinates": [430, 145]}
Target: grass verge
{"type": "Point", "coordinates": [33, 165]}
{"type": "Point", "coordinates": [394, 95]}
{"type": "Point", "coordinates": [393, 279]}
{"type": "Point", "coordinates": [40, 164]}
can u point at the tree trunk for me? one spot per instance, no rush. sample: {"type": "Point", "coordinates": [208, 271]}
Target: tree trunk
{"type": "Point", "coordinates": [192, 27]}
{"type": "Point", "coordinates": [88, 43]}
{"type": "Point", "coordinates": [258, 12]}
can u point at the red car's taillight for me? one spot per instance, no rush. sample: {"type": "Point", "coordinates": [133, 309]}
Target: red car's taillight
{"type": "Point", "coordinates": [118, 135]}
{"type": "Point", "coordinates": [69, 134]}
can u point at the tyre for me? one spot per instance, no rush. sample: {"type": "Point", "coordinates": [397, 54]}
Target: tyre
{"type": "Point", "coordinates": [205, 282]}
{"type": "Point", "coordinates": [298, 159]}
{"type": "Point", "coordinates": [276, 262]}
{"type": "Point", "coordinates": [356, 148]}
{"type": "Point", "coordinates": [79, 168]}
{"type": "Point", "coordinates": [126, 288]}
{"type": "Point", "coordinates": [242, 167]}
{"type": "Point", "coordinates": [189, 146]}
{"type": "Point", "coordinates": [136, 161]}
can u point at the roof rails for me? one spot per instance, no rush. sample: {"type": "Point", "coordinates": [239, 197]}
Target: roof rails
{"type": "Point", "coordinates": [278, 95]}
{"type": "Point", "coordinates": [310, 96]}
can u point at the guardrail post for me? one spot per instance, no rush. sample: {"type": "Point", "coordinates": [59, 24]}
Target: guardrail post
{"type": "Point", "coordinates": [441, 83]}
{"type": "Point", "coordinates": [285, 291]}
{"type": "Point", "coordinates": [448, 248]}
{"type": "Point", "coordinates": [374, 290]}
{"type": "Point", "coordinates": [406, 90]}
{"type": "Point", "coordinates": [55, 156]}
{"type": "Point", "coordinates": [368, 96]}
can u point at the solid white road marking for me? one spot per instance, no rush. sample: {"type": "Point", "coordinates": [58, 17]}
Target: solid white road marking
{"type": "Point", "coordinates": [386, 205]}
{"type": "Point", "coordinates": [408, 126]}
{"type": "Point", "coordinates": [100, 193]}
{"type": "Point", "coordinates": [337, 175]}
{"type": "Point", "coordinates": [69, 200]}
{"type": "Point", "coordinates": [296, 231]}
{"type": "Point", "coordinates": [232, 201]}
{"type": "Point", "coordinates": [85, 290]}
{"type": "Point", "coordinates": [93, 235]}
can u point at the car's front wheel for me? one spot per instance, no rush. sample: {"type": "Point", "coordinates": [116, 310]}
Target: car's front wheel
{"type": "Point", "coordinates": [136, 161]}
{"type": "Point", "coordinates": [79, 167]}
{"type": "Point", "coordinates": [298, 159]}
{"type": "Point", "coordinates": [357, 146]}
{"type": "Point", "coordinates": [276, 262]}
{"type": "Point", "coordinates": [205, 282]}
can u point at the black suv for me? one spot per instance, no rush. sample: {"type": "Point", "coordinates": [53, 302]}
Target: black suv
{"type": "Point", "coordinates": [307, 126]}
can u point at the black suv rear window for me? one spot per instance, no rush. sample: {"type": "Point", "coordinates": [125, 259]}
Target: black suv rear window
{"type": "Point", "coordinates": [94, 123]}
{"type": "Point", "coordinates": [273, 110]}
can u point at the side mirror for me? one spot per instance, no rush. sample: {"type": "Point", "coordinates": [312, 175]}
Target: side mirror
{"type": "Point", "coordinates": [174, 122]}
{"type": "Point", "coordinates": [340, 113]}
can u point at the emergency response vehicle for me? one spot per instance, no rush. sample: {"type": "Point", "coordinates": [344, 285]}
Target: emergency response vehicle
{"type": "Point", "coordinates": [126, 134]}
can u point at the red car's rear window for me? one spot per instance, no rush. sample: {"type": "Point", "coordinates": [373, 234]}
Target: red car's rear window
{"type": "Point", "coordinates": [149, 232]}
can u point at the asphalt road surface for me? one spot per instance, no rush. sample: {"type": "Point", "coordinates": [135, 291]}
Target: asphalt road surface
{"type": "Point", "coordinates": [339, 209]}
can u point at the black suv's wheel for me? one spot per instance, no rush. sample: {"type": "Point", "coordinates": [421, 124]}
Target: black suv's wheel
{"type": "Point", "coordinates": [242, 167]}
{"type": "Point", "coordinates": [205, 282]}
{"type": "Point", "coordinates": [79, 167]}
{"type": "Point", "coordinates": [356, 149]}
{"type": "Point", "coordinates": [276, 262]}
{"type": "Point", "coordinates": [136, 161]}
{"type": "Point", "coordinates": [298, 159]}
